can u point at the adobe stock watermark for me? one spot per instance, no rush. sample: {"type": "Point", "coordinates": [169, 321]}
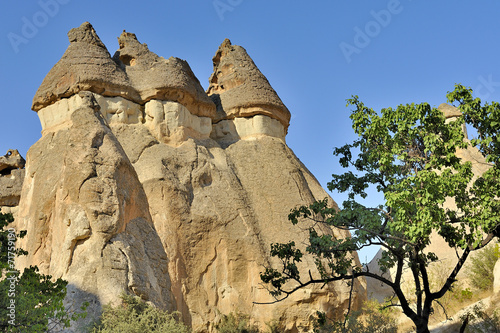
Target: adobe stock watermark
{"type": "Point", "coordinates": [486, 87]}
{"type": "Point", "coordinates": [30, 26]}
{"type": "Point", "coordinates": [363, 36]}
{"type": "Point", "coordinates": [222, 6]}
{"type": "Point", "coordinates": [11, 277]}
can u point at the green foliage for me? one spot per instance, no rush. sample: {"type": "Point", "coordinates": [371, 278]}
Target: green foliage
{"type": "Point", "coordinates": [371, 318]}
{"type": "Point", "coordinates": [136, 316]}
{"type": "Point", "coordinates": [241, 323]}
{"type": "Point", "coordinates": [464, 295]}
{"type": "Point", "coordinates": [29, 302]}
{"type": "Point", "coordinates": [409, 155]}
{"type": "Point", "coordinates": [481, 267]}
{"type": "Point", "coordinates": [236, 323]}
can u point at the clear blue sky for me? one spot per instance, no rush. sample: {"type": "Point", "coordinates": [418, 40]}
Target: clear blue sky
{"type": "Point", "coordinates": [315, 54]}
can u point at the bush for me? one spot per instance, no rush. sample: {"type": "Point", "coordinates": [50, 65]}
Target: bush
{"type": "Point", "coordinates": [236, 323]}
{"type": "Point", "coordinates": [372, 318]}
{"type": "Point", "coordinates": [136, 316]}
{"type": "Point", "coordinates": [481, 267]}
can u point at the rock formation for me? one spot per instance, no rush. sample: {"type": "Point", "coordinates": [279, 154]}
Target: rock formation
{"type": "Point", "coordinates": [144, 183]}
{"type": "Point", "coordinates": [86, 214]}
{"type": "Point", "coordinates": [11, 179]}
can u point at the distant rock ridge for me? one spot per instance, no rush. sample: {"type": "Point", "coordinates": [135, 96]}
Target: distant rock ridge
{"type": "Point", "coordinates": [143, 183]}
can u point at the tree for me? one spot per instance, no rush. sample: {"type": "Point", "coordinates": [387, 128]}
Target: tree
{"type": "Point", "coordinates": [29, 302]}
{"type": "Point", "coordinates": [409, 154]}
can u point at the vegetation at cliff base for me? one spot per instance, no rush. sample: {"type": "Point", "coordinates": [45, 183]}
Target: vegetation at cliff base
{"type": "Point", "coordinates": [136, 316]}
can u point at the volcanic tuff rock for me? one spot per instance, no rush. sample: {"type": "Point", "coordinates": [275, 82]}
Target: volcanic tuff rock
{"type": "Point", "coordinates": [87, 216]}
{"type": "Point", "coordinates": [156, 78]}
{"type": "Point", "coordinates": [239, 89]}
{"type": "Point", "coordinates": [86, 65]}
{"type": "Point", "coordinates": [140, 187]}
{"type": "Point", "coordinates": [11, 179]}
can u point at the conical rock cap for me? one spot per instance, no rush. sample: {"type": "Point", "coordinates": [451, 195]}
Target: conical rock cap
{"type": "Point", "coordinates": [449, 111]}
{"type": "Point", "coordinates": [86, 65]}
{"type": "Point", "coordinates": [239, 89]}
{"type": "Point", "coordinates": [155, 77]}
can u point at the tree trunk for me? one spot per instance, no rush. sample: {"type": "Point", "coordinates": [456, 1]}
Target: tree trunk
{"type": "Point", "coordinates": [422, 326]}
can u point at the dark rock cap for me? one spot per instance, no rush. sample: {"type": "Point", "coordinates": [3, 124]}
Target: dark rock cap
{"type": "Point", "coordinates": [239, 89]}
{"type": "Point", "coordinates": [165, 79]}
{"type": "Point", "coordinates": [134, 73]}
{"type": "Point", "coordinates": [449, 111]}
{"type": "Point", "coordinates": [86, 65]}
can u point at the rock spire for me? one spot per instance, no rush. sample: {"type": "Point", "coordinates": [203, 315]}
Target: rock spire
{"type": "Point", "coordinates": [134, 73]}
{"type": "Point", "coordinates": [86, 65]}
{"type": "Point", "coordinates": [140, 184]}
{"type": "Point", "coordinates": [239, 89]}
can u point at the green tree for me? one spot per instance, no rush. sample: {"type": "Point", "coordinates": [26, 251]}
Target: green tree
{"type": "Point", "coordinates": [29, 302]}
{"type": "Point", "coordinates": [409, 154]}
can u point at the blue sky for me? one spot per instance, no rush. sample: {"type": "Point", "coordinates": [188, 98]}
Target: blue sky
{"type": "Point", "coordinates": [315, 55]}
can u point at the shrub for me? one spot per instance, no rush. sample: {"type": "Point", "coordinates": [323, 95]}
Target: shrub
{"type": "Point", "coordinates": [372, 318]}
{"type": "Point", "coordinates": [481, 267]}
{"type": "Point", "coordinates": [136, 316]}
{"type": "Point", "coordinates": [236, 323]}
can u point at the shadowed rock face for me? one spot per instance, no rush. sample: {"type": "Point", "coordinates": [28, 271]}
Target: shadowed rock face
{"type": "Point", "coordinates": [139, 190]}
{"type": "Point", "coordinates": [239, 89]}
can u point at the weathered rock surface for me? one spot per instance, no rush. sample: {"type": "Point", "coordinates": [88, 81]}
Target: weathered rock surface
{"type": "Point", "coordinates": [164, 79]}
{"type": "Point", "coordinates": [105, 206]}
{"type": "Point", "coordinates": [218, 211]}
{"type": "Point", "coordinates": [134, 73]}
{"type": "Point", "coordinates": [11, 161]}
{"type": "Point", "coordinates": [87, 216]}
{"type": "Point", "coordinates": [11, 178]}
{"type": "Point", "coordinates": [239, 89]}
{"type": "Point", "coordinates": [86, 65]}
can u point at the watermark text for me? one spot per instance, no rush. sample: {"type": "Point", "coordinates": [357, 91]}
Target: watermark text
{"type": "Point", "coordinates": [30, 26]}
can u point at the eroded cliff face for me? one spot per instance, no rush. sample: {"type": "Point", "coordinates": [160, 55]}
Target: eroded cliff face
{"type": "Point", "coordinates": [144, 183]}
